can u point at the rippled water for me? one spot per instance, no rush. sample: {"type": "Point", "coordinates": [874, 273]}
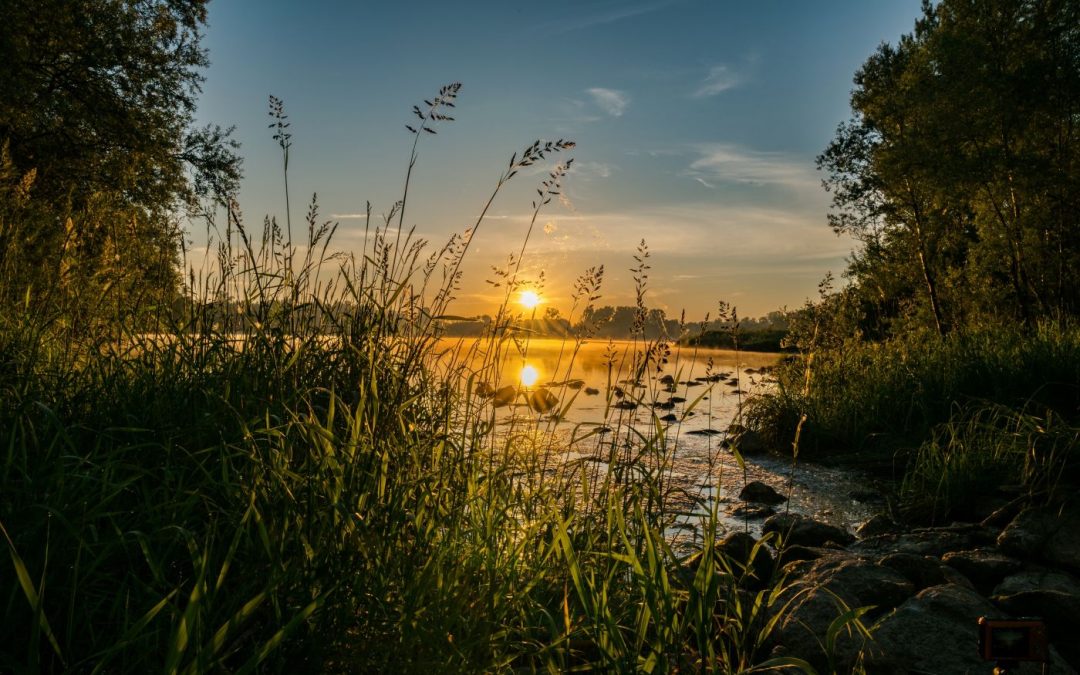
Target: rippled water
{"type": "Point", "coordinates": [692, 398]}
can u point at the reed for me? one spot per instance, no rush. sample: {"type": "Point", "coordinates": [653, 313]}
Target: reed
{"type": "Point", "coordinates": [288, 474]}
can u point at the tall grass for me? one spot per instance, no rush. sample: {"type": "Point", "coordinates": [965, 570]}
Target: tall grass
{"type": "Point", "coordinates": [877, 397]}
{"type": "Point", "coordinates": [290, 474]}
{"type": "Point", "coordinates": [983, 449]}
{"type": "Point", "coordinates": [953, 418]}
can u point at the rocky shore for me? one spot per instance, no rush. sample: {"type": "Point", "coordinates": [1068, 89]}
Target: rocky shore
{"type": "Point", "coordinates": [925, 587]}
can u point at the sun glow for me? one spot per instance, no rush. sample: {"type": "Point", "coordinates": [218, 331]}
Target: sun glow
{"type": "Point", "coordinates": [529, 299]}
{"type": "Point", "coordinates": [529, 376]}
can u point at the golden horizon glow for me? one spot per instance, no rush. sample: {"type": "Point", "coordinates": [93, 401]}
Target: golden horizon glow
{"type": "Point", "coordinates": [529, 299]}
{"type": "Point", "coordinates": [529, 375]}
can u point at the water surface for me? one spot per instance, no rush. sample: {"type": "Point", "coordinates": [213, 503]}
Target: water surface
{"type": "Point", "coordinates": [610, 391]}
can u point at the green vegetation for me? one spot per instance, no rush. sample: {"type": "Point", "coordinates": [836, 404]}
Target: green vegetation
{"type": "Point", "coordinates": [270, 468]}
{"type": "Point", "coordinates": [953, 356]}
{"type": "Point", "coordinates": [622, 323]}
{"type": "Point", "coordinates": [99, 159]}
{"type": "Point", "coordinates": [767, 340]}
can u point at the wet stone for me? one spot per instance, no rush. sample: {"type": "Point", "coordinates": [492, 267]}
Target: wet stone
{"type": "Point", "coordinates": [879, 524]}
{"type": "Point", "coordinates": [761, 493]}
{"type": "Point", "coordinates": [803, 530]}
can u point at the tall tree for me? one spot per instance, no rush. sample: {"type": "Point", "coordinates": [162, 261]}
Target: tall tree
{"type": "Point", "coordinates": [97, 101]}
{"type": "Point", "coordinates": [958, 172]}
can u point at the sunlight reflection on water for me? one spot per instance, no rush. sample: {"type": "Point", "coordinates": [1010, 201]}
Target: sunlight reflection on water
{"type": "Point", "coordinates": [691, 399]}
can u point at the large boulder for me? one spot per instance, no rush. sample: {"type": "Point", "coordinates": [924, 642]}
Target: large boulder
{"type": "Point", "coordinates": [1048, 533]}
{"type": "Point", "coordinates": [752, 562]}
{"type": "Point", "coordinates": [924, 571]}
{"type": "Point", "coordinates": [936, 633]}
{"type": "Point", "coordinates": [985, 567]}
{"type": "Point", "coordinates": [826, 588]}
{"type": "Point", "coordinates": [935, 541]}
{"type": "Point", "coordinates": [797, 529]}
{"type": "Point", "coordinates": [797, 553]}
{"type": "Point", "coordinates": [1052, 595]}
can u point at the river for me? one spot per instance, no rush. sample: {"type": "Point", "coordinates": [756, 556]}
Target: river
{"type": "Point", "coordinates": [690, 394]}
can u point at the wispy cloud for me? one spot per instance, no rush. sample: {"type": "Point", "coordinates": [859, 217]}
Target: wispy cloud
{"type": "Point", "coordinates": [727, 163]}
{"type": "Point", "coordinates": [737, 232]}
{"type": "Point", "coordinates": [587, 171]}
{"type": "Point", "coordinates": [349, 216]}
{"type": "Point", "coordinates": [613, 14]}
{"type": "Point", "coordinates": [611, 101]}
{"type": "Point", "coordinates": [719, 79]}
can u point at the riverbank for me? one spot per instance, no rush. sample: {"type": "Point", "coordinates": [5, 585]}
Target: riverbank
{"type": "Point", "coordinates": [922, 590]}
{"type": "Point", "coordinates": [948, 419]}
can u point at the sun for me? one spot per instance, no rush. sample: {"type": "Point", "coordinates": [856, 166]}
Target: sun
{"type": "Point", "coordinates": [529, 376]}
{"type": "Point", "coordinates": [529, 299]}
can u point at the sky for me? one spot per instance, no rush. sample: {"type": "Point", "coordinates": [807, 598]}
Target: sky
{"type": "Point", "coordinates": [697, 123]}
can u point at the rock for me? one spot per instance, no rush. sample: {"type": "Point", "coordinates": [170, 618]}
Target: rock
{"type": "Point", "coordinates": [1028, 533]}
{"type": "Point", "coordinates": [752, 511]}
{"type": "Point", "coordinates": [752, 563]}
{"type": "Point", "coordinates": [790, 554]}
{"type": "Point", "coordinates": [828, 587]}
{"type": "Point", "coordinates": [879, 524]}
{"type": "Point", "coordinates": [983, 566]}
{"type": "Point", "coordinates": [504, 396]}
{"type": "Point", "coordinates": [761, 493]}
{"type": "Point", "coordinates": [801, 631]}
{"type": "Point", "coordinates": [1048, 533]}
{"type": "Point", "coordinates": [872, 584]}
{"type": "Point", "coordinates": [794, 528]}
{"type": "Point", "coordinates": [927, 541]}
{"type": "Point", "coordinates": [924, 571]}
{"type": "Point", "coordinates": [934, 632]}
{"type": "Point", "coordinates": [1053, 596]}
{"type": "Point", "coordinates": [542, 400]}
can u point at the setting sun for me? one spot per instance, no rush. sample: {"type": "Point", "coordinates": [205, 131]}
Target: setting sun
{"type": "Point", "coordinates": [529, 299]}
{"type": "Point", "coordinates": [529, 376]}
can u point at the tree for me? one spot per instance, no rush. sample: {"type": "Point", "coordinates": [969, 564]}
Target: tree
{"type": "Point", "coordinates": [958, 172]}
{"type": "Point", "coordinates": [97, 100]}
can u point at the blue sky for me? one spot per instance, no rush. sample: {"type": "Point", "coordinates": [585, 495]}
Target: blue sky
{"type": "Point", "coordinates": [697, 125]}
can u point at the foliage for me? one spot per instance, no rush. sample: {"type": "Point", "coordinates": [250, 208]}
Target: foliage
{"type": "Point", "coordinates": [957, 175]}
{"type": "Point", "coordinates": [984, 448]}
{"type": "Point", "coordinates": [96, 111]}
{"type": "Point", "coordinates": [753, 341]}
{"type": "Point", "coordinates": [289, 476]}
{"type": "Point", "coordinates": [875, 398]}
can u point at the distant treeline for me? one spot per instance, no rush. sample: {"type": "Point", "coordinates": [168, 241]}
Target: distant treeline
{"type": "Point", "coordinates": [757, 340]}
{"type": "Point", "coordinates": [624, 322]}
